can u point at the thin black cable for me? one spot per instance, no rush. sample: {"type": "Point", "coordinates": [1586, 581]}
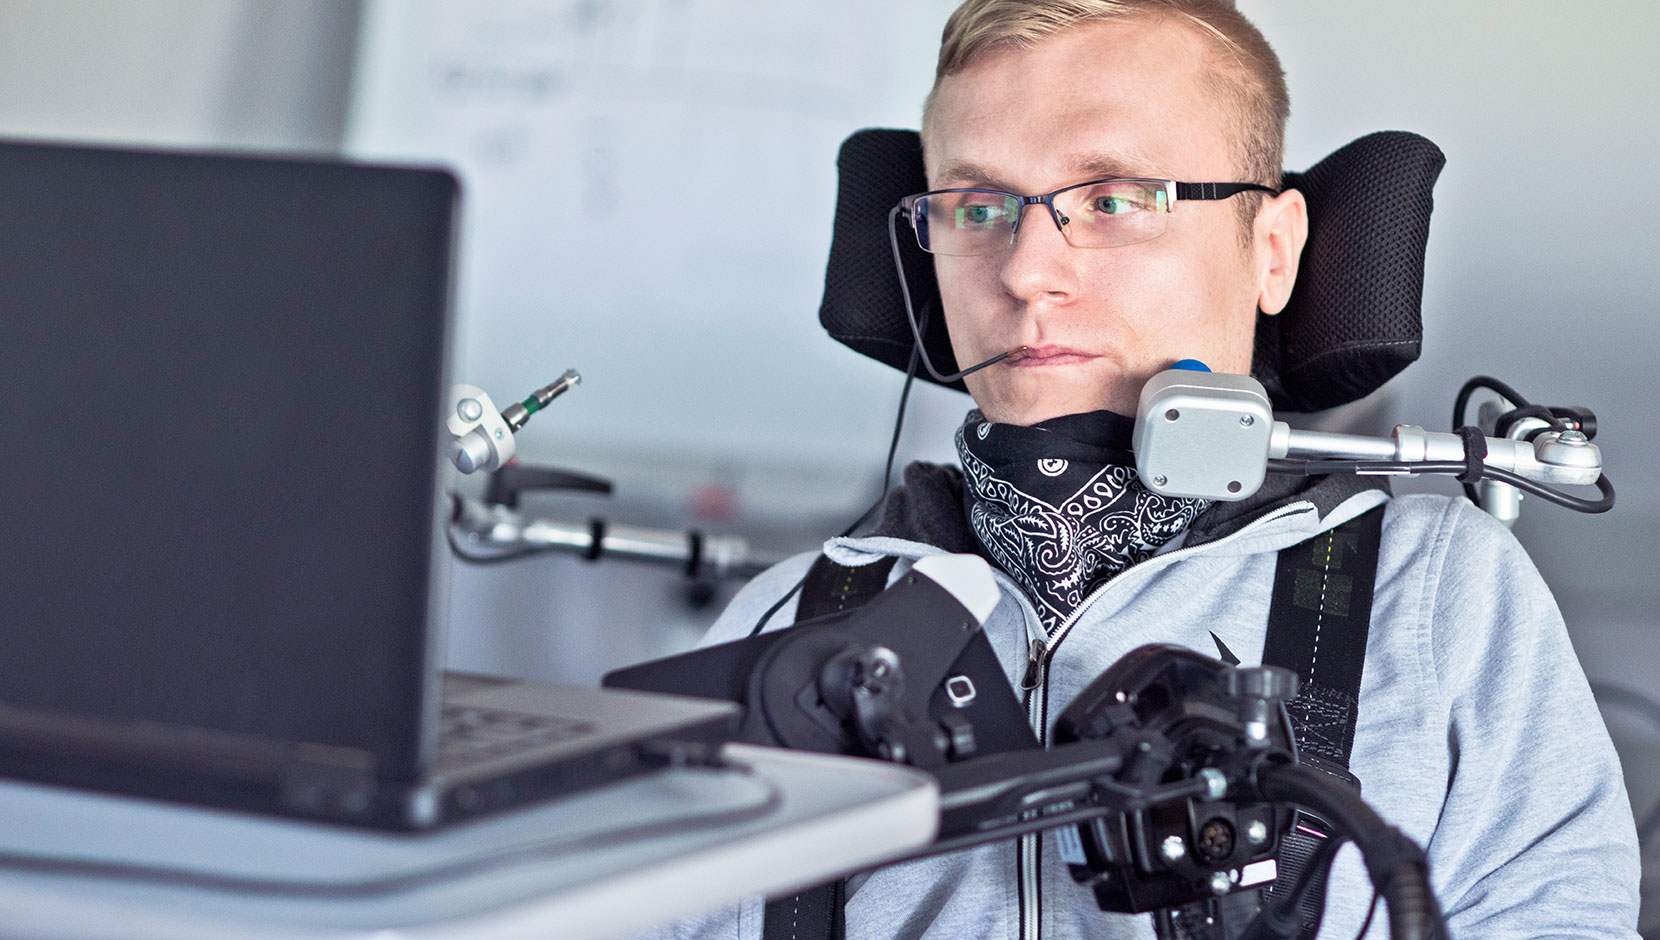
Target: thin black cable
{"type": "Point", "coordinates": [1282, 915]}
{"type": "Point", "coordinates": [759, 624]}
{"type": "Point", "coordinates": [1371, 909]}
{"type": "Point", "coordinates": [1462, 400]}
{"type": "Point", "coordinates": [373, 887]}
{"type": "Point", "coordinates": [917, 352]}
{"type": "Point", "coordinates": [893, 445]}
{"type": "Point", "coordinates": [1520, 408]}
{"type": "Point", "coordinates": [1553, 422]}
{"type": "Point", "coordinates": [1319, 467]}
{"type": "Point", "coordinates": [910, 314]}
{"type": "Point", "coordinates": [1319, 860]}
{"type": "Point", "coordinates": [1322, 467]}
{"type": "Point", "coordinates": [899, 419]}
{"type": "Point", "coordinates": [1557, 496]}
{"type": "Point", "coordinates": [1398, 867]}
{"type": "Point", "coordinates": [887, 478]}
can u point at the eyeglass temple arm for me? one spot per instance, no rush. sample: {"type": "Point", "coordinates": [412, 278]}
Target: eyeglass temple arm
{"type": "Point", "coordinates": [1219, 190]}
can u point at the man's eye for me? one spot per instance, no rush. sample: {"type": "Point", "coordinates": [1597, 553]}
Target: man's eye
{"type": "Point", "coordinates": [1117, 204]}
{"type": "Point", "coordinates": [978, 216]}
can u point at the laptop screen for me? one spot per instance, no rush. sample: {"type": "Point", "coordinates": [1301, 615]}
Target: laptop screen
{"type": "Point", "coordinates": [221, 380]}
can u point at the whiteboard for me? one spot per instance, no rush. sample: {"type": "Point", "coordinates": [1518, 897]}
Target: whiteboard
{"type": "Point", "coordinates": [648, 190]}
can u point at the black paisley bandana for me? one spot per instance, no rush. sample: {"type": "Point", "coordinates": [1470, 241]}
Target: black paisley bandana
{"type": "Point", "coordinates": [1059, 507]}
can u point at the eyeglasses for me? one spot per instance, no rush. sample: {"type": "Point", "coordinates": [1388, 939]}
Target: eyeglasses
{"type": "Point", "coordinates": [1099, 214]}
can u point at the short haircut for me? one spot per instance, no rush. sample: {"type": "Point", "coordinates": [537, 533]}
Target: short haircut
{"type": "Point", "coordinates": [1248, 78]}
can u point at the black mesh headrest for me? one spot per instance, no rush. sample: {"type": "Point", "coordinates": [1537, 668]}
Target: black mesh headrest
{"type": "Point", "coordinates": [1353, 320]}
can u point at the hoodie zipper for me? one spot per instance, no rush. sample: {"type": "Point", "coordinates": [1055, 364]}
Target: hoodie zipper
{"type": "Point", "coordinates": [1034, 662]}
{"type": "Point", "coordinates": [1036, 686]}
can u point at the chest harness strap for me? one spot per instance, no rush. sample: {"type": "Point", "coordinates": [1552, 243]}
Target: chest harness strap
{"type": "Point", "coordinates": [1317, 625]}
{"type": "Point", "coordinates": [816, 913]}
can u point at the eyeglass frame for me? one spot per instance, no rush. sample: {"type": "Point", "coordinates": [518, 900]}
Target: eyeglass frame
{"type": "Point", "coordinates": [1175, 191]}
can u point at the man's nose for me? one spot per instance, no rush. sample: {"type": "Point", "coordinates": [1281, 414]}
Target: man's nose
{"type": "Point", "coordinates": [1040, 265]}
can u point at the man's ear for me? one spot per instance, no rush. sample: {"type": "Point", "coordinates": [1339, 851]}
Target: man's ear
{"type": "Point", "coordinates": [1278, 235]}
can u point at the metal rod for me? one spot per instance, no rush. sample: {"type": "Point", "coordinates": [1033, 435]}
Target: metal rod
{"type": "Point", "coordinates": [1327, 444]}
{"type": "Point", "coordinates": [498, 530]}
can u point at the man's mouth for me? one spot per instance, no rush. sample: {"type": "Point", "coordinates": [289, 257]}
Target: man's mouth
{"type": "Point", "coordinates": [1034, 356]}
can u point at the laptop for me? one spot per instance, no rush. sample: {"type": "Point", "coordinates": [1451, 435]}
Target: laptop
{"type": "Point", "coordinates": [222, 556]}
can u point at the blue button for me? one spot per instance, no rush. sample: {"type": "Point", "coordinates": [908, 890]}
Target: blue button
{"type": "Point", "coordinates": [1191, 365]}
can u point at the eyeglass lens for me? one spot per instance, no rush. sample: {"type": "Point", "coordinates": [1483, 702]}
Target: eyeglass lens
{"type": "Point", "coordinates": [1096, 215]}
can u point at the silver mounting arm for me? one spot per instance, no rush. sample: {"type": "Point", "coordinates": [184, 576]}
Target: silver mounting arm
{"type": "Point", "coordinates": [483, 532]}
{"type": "Point", "coordinates": [1212, 435]}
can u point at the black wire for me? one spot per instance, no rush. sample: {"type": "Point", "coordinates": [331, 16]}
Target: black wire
{"type": "Point", "coordinates": [1462, 401]}
{"type": "Point", "coordinates": [899, 419]}
{"type": "Point", "coordinates": [1319, 860]}
{"type": "Point", "coordinates": [372, 887]}
{"type": "Point", "coordinates": [1520, 408]}
{"type": "Point", "coordinates": [1557, 496]}
{"type": "Point", "coordinates": [1552, 421]}
{"type": "Point", "coordinates": [887, 479]}
{"type": "Point", "coordinates": [893, 445]}
{"type": "Point", "coordinates": [910, 315]}
{"type": "Point", "coordinates": [1283, 912]}
{"type": "Point", "coordinates": [779, 603]}
{"type": "Point", "coordinates": [1487, 382]}
{"type": "Point", "coordinates": [1397, 865]}
{"type": "Point", "coordinates": [1318, 467]}
{"type": "Point", "coordinates": [1370, 910]}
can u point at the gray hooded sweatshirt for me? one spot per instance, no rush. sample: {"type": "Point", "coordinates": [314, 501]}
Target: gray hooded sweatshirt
{"type": "Point", "coordinates": [1477, 733]}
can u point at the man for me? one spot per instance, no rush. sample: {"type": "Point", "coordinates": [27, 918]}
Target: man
{"type": "Point", "coordinates": [1477, 734]}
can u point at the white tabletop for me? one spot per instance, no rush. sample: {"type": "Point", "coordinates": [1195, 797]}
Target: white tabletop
{"type": "Point", "coordinates": [600, 864]}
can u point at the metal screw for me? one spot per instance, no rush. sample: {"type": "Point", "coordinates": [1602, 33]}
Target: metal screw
{"type": "Point", "coordinates": [1173, 848]}
{"type": "Point", "coordinates": [1160, 480]}
{"type": "Point", "coordinates": [469, 409]}
{"type": "Point", "coordinates": [1257, 832]}
{"type": "Point", "coordinates": [1574, 437]}
{"type": "Point", "coordinates": [498, 434]}
{"type": "Point", "coordinates": [1246, 421]}
{"type": "Point", "coordinates": [1216, 783]}
{"type": "Point", "coordinates": [1220, 883]}
{"type": "Point", "coordinates": [1172, 415]}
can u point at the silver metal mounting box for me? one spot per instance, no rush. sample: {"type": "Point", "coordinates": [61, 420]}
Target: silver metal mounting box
{"type": "Point", "coordinates": [1203, 434]}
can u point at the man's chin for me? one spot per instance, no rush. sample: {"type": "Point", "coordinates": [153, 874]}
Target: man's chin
{"type": "Point", "coordinates": [1036, 412]}
{"type": "Point", "coordinates": [1051, 402]}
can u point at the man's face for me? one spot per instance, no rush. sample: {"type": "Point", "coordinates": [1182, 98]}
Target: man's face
{"type": "Point", "coordinates": [1105, 99]}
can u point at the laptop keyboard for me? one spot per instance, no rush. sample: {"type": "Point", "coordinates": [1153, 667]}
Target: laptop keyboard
{"type": "Point", "coordinates": [468, 734]}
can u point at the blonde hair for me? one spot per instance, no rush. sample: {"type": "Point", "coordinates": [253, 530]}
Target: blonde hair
{"type": "Point", "coordinates": [1249, 79]}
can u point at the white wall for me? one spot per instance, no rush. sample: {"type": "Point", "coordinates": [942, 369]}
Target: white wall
{"type": "Point", "coordinates": [212, 73]}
